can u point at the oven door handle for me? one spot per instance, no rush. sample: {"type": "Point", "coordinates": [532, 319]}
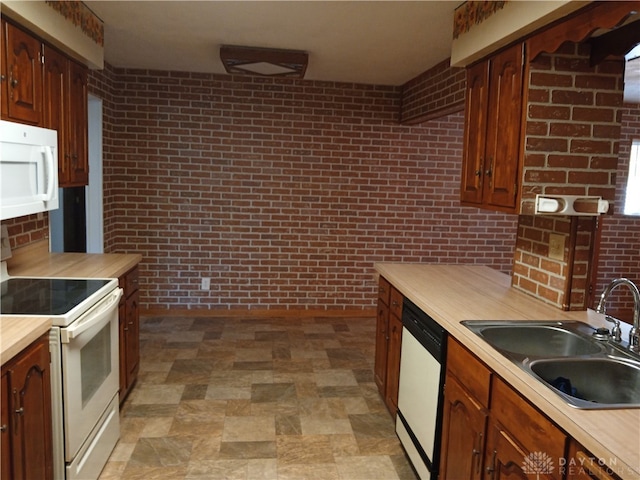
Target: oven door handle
{"type": "Point", "coordinates": [99, 316]}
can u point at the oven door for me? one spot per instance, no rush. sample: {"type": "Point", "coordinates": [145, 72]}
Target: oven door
{"type": "Point", "coordinates": [90, 361]}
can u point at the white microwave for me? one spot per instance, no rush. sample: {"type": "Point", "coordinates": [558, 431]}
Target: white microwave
{"type": "Point", "coordinates": [28, 170]}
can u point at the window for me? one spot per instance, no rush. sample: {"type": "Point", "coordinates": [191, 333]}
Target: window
{"type": "Point", "coordinates": [632, 201]}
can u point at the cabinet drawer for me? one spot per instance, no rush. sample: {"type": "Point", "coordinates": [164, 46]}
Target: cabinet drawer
{"type": "Point", "coordinates": [395, 306]}
{"type": "Point", "coordinates": [535, 431]}
{"type": "Point", "coordinates": [471, 373]}
{"type": "Point", "coordinates": [384, 290]}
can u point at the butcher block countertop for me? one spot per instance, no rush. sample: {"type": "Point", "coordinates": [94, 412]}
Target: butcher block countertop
{"type": "Point", "coordinates": [36, 261]}
{"type": "Point", "coordinates": [15, 336]}
{"type": "Point", "coordinates": [453, 293]}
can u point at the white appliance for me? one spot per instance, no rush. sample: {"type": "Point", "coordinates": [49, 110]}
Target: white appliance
{"type": "Point", "coordinates": [28, 170]}
{"type": "Point", "coordinates": [84, 364]}
{"type": "Point", "coordinates": [420, 392]}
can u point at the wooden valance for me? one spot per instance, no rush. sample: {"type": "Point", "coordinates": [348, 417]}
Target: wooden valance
{"type": "Point", "coordinates": [581, 25]}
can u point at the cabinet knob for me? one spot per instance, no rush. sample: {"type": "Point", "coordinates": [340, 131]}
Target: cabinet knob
{"type": "Point", "coordinates": [488, 173]}
{"type": "Point", "coordinates": [3, 428]}
{"type": "Point", "coordinates": [14, 83]}
{"type": "Point", "coordinates": [478, 173]}
{"type": "Point", "coordinates": [20, 411]}
{"type": "Point", "coordinates": [2, 79]}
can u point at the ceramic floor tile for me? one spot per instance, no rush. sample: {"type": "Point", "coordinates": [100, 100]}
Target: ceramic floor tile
{"type": "Point", "coordinates": [257, 399]}
{"type": "Point", "coordinates": [366, 468]}
{"type": "Point", "coordinates": [246, 429]}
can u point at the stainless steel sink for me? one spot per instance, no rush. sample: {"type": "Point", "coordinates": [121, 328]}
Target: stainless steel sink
{"type": "Point", "coordinates": [540, 340]}
{"type": "Point", "coordinates": [592, 382]}
{"type": "Point", "coordinates": [585, 369]}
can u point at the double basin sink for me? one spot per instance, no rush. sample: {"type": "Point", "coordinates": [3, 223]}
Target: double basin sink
{"type": "Point", "coordinates": [586, 369]}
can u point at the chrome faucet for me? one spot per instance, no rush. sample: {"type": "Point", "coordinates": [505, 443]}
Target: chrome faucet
{"type": "Point", "coordinates": [634, 333]}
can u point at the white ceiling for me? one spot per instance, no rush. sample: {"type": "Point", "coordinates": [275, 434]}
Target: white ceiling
{"type": "Point", "coordinates": [373, 42]}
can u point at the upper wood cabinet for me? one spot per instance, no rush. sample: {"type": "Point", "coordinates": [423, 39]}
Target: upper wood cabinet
{"type": "Point", "coordinates": [43, 87]}
{"type": "Point", "coordinates": [493, 113]}
{"type": "Point", "coordinates": [21, 76]}
{"type": "Point", "coordinates": [65, 110]}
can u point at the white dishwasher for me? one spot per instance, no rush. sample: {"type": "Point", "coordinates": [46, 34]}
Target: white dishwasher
{"type": "Point", "coordinates": [420, 393]}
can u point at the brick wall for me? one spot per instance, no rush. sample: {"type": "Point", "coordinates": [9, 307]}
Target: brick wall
{"type": "Point", "coordinates": [572, 135]}
{"type": "Point", "coordinates": [284, 193]}
{"type": "Point", "coordinates": [102, 85]}
{"type": "Point", "coordinates": [572, 125]}
{"type": "Point", "coordinates": [620, 242]}
{"type": "Point", "coordinates": [24, 231]}
{"type": "Point", "coordinates": [436, 92]}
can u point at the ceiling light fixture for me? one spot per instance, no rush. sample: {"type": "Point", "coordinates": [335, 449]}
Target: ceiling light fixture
{"type": "Point", "coordinates": [267, 62]}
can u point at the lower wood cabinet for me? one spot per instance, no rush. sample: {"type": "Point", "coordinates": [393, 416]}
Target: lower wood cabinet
{"type": "Point", "coordinates": [466, 401]}
{"type": "Point", "coordinates": [489, 430]}
{"type": "Point", "coordinates": [26, 429]}
{"type": "Point", "coordinates": [129, 323]}
{"type": "Point", "coordinates": [521, 442]}
{"type": "Point", "coordinates": [388, 344]}
{"type": "Point", "coordinates": [582, 465]}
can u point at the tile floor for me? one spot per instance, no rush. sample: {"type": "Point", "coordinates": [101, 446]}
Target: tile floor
{"type": "Point", "coordinates": [267, 398]}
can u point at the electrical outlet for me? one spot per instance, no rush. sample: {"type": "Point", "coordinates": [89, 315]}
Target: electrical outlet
{"type": "Point", "coordinates": [206, 283]}
{"type": "Point", "coordinates": [556, 246]}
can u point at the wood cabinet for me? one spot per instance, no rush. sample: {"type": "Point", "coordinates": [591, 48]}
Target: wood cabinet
{"type": "Point", "coordinates": [388, 343]}
{"type": "Point", "coordinates": [521, 441]}
{"type": "Point", "coordinates": [466, 402]}
{"type": "Point", "coordinates": [21, 93]}
{"type": "Point", "coordinates": [65, 110]}
{"type": "Point", "coordinates": [488, 428]}
{"type": "Point", "coordinates": [492, 138]}
{"type": "Point", "coordinates": [582, 465]}
{"type": "Point", "coordinates": [27, 450]}
{"type": "Point", "coordinates": [129, 331]}
{"type": "Point", "coordinates": [5, 436]}
{"type": "Point", "coordinates": [42, 86]}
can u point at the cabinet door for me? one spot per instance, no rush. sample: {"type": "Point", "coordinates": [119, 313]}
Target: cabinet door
{"type": "Point", "coordinates": [477, 96]}
{"type": "Point", "coordinates": [122, 345]}
{"type": "Point", "coordinates": [582, 465]}
{"type": "Point", "coordinates": [5, 466]}
{"type": "Point", "coordinates": [77, 122]}
{"type": "Point", "coordinates": [393, 363]}
{"type": "Point", "coordinates": [382, 342]}
{"type": "Point", "coordinates": [54, 108]}
{"type": "Point", "coordinates": [30, 390]}
{"type": "Point", "coordinates": [24, 76]}
{"type": "Point", "coordinates": [505, 458]}
{"type": "Point", "coordinates": [502, 153]}
{"type": "Point", "coordinates": [464, 433]}
{"type": "Point", "coordinates": [4, 72]}
{"type": "Point", "coordinates": [521, 440]}
{"type": "Point", "coordinates": [133, 337]}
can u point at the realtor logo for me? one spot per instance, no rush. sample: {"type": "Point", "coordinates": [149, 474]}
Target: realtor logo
{"type": "Point", "coordinates": [537, 463]}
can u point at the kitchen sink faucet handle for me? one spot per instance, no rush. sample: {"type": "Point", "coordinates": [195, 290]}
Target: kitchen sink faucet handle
{"type": "Point", "coordinates": [616, 331]}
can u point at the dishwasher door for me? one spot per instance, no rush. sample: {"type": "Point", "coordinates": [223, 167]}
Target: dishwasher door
{"type": "Point", "coordinates": [417, 422]}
